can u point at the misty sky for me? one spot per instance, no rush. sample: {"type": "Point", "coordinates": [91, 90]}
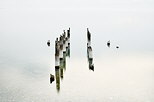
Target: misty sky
{"type": "Point", "coordinates": [28, 23]}
{"type": "Point", "coordinates": [76, 4]}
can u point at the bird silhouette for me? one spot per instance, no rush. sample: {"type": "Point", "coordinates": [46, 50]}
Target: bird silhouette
{"type": "Point", "coordinates": [108, 43]}
{"type": "Point", "coordinates": [48, 43]}
{"type": "Point", "coordinates": [117, 47]}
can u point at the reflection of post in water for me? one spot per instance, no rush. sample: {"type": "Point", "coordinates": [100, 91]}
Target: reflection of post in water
{"type": "Point", "coordinates": [61, 68]}
{"type": "Point", "coordinates": [57, 79]}
{"type": "Point", "coordinates": [57, 54]}
{"type": "Point", "coordinates": [90, 58]}
{"type": "Point", "coordinates": [89, 51]}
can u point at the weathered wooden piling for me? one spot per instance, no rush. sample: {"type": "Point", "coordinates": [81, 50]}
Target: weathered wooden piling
{"type": "Point", "coordinates": [64, 45]}
{"type": "Point", "coordinates": [61, 67]}
{"type": "Point", "coordinates": [62, 49]}
{"type": "Point", "coordinates": [69, 49]}
{"type": "Point", "coordinates": [57, 62]}
{"type": "Point", "coordinates": [68, 33]}
{"type": "Point", "coordinates": [88, 37]}
{"type": "Point", "coordinates": [89, 51]}
{"type": "Point", "coordinates": [68, 41]}
{"type": "Point", "coordinates": [57, 54]}
{"type": "Point", "coordinates": [64, 60]}
{"type": "Point", "coordinates": [64, 53]}
{"type": "Point", "coordinates": [64, 34]}
{"type": "Point", "coordinates": [57, 47]}
{"type": "Point", "coordinates": [67, 54]}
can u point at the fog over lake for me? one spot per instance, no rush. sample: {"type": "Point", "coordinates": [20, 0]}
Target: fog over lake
{"type": "Point", "coordinates": [125, 74]}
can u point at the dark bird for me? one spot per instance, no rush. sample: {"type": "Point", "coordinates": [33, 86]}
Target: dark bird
{"type": "Point", "coordinates": [48, 43]}
{"type": "Point", "coordinates": [108, 43]}
{"type": "Point", "coordinates": [52, 78]}
{"type": "Point", "coordinates": [117, 47]}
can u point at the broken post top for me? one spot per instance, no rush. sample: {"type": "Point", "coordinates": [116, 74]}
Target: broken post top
{"type": "Point", "coordinates": [88, 35]}
{"type": "Point", "coordinates": [68, 33]}
{"type": "Point", "coordinates": [56, 39]}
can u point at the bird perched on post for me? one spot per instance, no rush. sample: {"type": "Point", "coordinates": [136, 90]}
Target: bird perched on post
{"type": "Point", "coordinates": [48, 43]}
{"type": "Point", "coordinates": [108, 43]}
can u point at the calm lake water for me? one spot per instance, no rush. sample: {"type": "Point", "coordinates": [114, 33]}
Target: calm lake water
{"type": "Point", "coordinates": [120, 75]}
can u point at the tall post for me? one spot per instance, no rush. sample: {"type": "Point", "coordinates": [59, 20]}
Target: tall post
{"type": "Point", "coordinates": [89, 51]}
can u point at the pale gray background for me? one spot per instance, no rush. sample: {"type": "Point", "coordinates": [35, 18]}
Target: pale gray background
{"type": "Point", "coordinates": [123, 75]}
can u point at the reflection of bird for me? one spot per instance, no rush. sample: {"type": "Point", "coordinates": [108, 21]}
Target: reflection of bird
{"type": "Point", "coordinates": [51, 78]}
{"type": "Point", "coordinates": [48, 43]}
{"type": "Point", "coordinates": [117, 47]}
{"type": "Point", "coordinates": [108, 43]}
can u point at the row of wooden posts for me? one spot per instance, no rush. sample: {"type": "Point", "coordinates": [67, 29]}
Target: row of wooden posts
{"type": "Point", "coordinates": [62, 50]}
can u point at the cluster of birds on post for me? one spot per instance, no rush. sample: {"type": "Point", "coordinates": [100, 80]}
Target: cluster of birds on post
{"type": "Point", "coordinates": [62, 50]}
